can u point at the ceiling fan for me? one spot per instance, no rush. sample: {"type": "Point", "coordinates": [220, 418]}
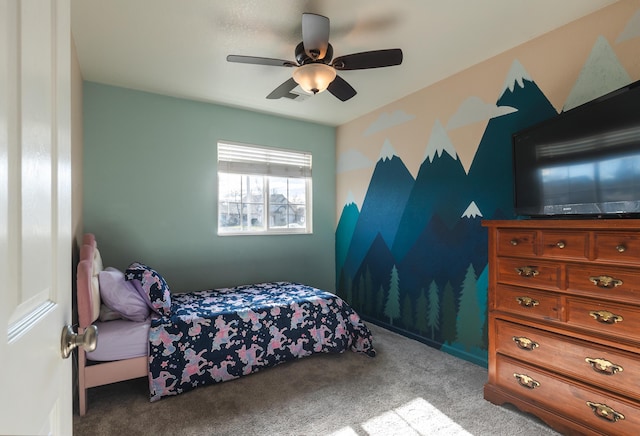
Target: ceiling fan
{"type": "Point", "coordinates": [314, 69]}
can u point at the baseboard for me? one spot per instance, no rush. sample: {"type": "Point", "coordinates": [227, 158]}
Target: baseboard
{"type": "Point", "coordinates": [444, 348]}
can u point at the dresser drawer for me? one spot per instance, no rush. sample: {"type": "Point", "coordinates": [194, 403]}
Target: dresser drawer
{"type": "Point", "coordinates": [615, 320]}
{"type": "Point", "coordinates": [592, 407]}
{"type": "Point", "coordinates": [564, 244]}
{"type": "Point", "coordinates": [528, 302]}
{"type": "Point", "coordinates": [618, 247]}
{"type": "Point", "coordinates": [602, 281]}
{"type": "Point", "coordinates": [601, 366]}
{"type": "Point", "coordinates": [513, 242]}
{"type": "Point", "coordinates": [529, 272]}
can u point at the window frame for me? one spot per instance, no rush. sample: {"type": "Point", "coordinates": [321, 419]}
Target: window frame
{"type": "Point", "coordinates": [265, 169]}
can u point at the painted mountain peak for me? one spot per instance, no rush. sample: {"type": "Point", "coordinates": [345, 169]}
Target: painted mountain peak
{"type": "Point", "coordinates": [344, 232]}
{"type": "Point", "coordinates": [490, 175]}
{"type": "Point", "coordinates": [472, 211]}
{"type": "Point", "coordinates": [601, 74]}
{"type": "Point", "coordinates": [384, 202]}
{"type": "Point", "coordinates": [439, 143]}
{"type": "Point", "coordinates": [517, 74]}
{"type": "Point", "coordinates": [387, 152]}
{"type": "Point", "coordinates": [631, 30]}
{"type": "Point", "coordinates": [437, 189]}
{"type": "Point", "coordinates": [350, 199]}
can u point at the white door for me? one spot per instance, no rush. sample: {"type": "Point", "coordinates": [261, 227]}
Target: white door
{"type": "Point", "coordinates": [35, 216]}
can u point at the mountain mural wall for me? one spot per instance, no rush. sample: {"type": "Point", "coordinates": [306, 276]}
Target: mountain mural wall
{"type": "Point", "coordinates": [413, 258]}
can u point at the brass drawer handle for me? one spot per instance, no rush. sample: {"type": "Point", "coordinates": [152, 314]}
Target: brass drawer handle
{"type": "Point", "coordinates": [526, 381]}
{"type": "Point", "coordinates": [560, 244]}
{"type": "Point", "coordinates": [606, 282]}
{"type": "Point", "coordinates": [514, 242]}
{"type": "Point", "coordinates": [527, 271]}
{"type": "Point", "coordinates": [605, 412]}
{"type": "Point", "coordinates": [603, 366]}
{"type": "Point", "coordinates": [527, 301]}
{"type": "Point", "coordinates": [621, 248]}
{"type": "Point", "coordinates": [525, 343]}
{"type": "Point", "coordinates": [605, 317]}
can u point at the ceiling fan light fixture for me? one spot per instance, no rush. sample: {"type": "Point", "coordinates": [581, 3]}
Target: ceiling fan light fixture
{"type": "Point", "coordinates": [315, 77]}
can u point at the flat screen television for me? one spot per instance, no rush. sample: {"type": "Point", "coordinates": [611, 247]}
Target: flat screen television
{"type": "Point", "coordinates": [584, 162]}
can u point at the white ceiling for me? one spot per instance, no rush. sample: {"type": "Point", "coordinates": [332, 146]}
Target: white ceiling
{"type": "Point", "coordinates": [179, 47]}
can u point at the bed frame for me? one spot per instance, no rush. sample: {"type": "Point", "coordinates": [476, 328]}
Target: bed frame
{"type": "Point", "coordinates": [91, 374]}
{"type": "Point", "coordinates": [346, 331]}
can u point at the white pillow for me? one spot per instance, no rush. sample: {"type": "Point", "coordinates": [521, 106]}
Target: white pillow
{"type": "Point", "coordinates": [108, 314]}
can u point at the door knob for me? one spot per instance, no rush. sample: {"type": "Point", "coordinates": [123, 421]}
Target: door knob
{"type": "Point", "coordinates": [70, 340]}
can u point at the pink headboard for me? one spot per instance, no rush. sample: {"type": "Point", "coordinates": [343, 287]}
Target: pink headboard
{"type": "Point", "coordinates": [89, 266]}
{"type": "Point", "coordinates": [89, 239]}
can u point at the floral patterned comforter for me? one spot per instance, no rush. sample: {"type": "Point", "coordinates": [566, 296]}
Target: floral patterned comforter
{"type": "Point", "coordinates": [217, 335]}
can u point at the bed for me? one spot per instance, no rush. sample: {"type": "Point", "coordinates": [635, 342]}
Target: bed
{"type": "Point", "coordinates": [181, 341]}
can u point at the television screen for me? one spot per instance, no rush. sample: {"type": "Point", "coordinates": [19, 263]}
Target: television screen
{"type": "Point", "coordinates": [583, 162]}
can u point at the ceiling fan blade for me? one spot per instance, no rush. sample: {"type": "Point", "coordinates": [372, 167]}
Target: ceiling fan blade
{"type": "Point", "coordinates": [261, 61]}
{"type": "Point", "coordinates": [283, 90]}
{"type": "Point", "coordinates": [368, 59]}
{"type": "Point", "coordinates": [315, 35]}
{"type": "Point", "coordinates": [341, 89]}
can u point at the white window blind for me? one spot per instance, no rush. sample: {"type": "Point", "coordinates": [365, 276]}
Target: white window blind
{"type": "Point", "coordinates": [250, 159]}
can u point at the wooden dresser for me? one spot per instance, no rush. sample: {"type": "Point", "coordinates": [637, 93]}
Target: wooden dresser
{"type": "Point", "coordinates": [564, 322]}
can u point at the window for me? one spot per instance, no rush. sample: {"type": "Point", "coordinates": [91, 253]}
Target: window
{"type": "Point", "coordinates": [263, 190]}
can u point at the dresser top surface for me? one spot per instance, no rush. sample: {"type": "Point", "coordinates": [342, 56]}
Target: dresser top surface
{"type": "Point", "coordinates": [566, 224]}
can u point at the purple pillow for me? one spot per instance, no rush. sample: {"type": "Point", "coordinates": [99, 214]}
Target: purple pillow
{"type": "Point", "coordinates": [151, 286]}
{"type": "Point", "coordinates": [119, 295]}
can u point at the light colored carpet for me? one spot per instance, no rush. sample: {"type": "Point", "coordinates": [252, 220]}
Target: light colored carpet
{"type": "Point", "coordinates": [407, 389]}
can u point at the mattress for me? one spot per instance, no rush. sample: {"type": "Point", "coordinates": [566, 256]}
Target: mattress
{"type": "Point", "coordinates": [121, 339]}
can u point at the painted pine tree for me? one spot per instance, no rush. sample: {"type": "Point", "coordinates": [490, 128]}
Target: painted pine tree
{"type": "Point", "coordinates": [380, 302]}
{"type": "Point", "coordinates": [422, 313]}
{"type": "Point", "coordinates": [434, 309]}
{"type": "Point", "coordinates": [407, 313]}
{"type": "Point", "coordinates": [349, 292]}
{"type": "Point", "coordinates": [392, 308]}
{"type": "Point", "coordinates": [367, 295]}
{"type": "Point", "coordinates": [469, 325]}
{"type": "Point", "coordinates": [448, 315]}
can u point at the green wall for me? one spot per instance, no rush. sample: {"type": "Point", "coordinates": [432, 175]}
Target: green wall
{"type": "Point", "coordinates": [150, 190]}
